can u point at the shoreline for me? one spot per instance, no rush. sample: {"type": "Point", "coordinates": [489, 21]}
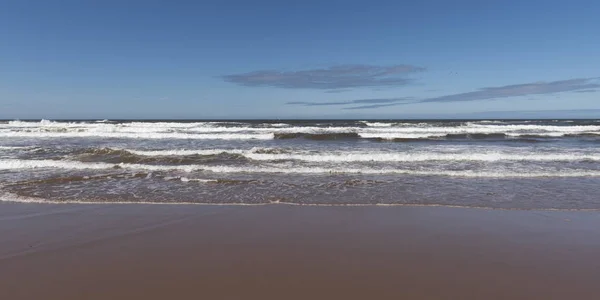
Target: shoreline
{"type": "Point", "coordinates": [33, 201]}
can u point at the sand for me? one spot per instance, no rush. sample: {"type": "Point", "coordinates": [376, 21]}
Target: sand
{"type": "Point", "coordinates": [293, 252]}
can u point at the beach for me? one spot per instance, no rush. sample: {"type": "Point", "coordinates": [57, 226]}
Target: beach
{"type": "Point", "coordinates": [308, 150]}
{"type": "Point", "coordinates": [145, 251]}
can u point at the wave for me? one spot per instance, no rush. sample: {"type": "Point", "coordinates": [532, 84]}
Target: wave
{"type": "Point", "coordinates": [532, 127]}
{"type": "Point", "coordinates": [76, 178]}
{"type": "Point", "coordinates": [408, 137]}
{"type": "Point", "coordinates": [376, 124]}
{"type": "Point", "coordinates": [17, 164]}
{"type": "Point", "coordinates": [20, 123]}
{"type": "Point", "coordinates": [185, 152]}
{"type": "Point", "coordinates": [117, 156]}
{"type": "Point", "coordinates": [276, 125]}
{"type": "Point", "coordinates": [126, 175]}
{"type": "Point", "coordinates": [476, 136]}
{"type": "Point", "coordinates": [186, 179]}
{"type": "Point", "coordinates": [284, 169]}
{"type": "Point", "coordinates": [317, 136]}
{"type": "Point", "coordinates": [265, 131]}
{"type": "Point", "coordinates": [381, 157]}
{"type": "Point", "coordinates": [524, 137]}
{"type": "Point", "coordinates": [447, 127]}
{"type": "Point", "coordinates": [399, 136]}
{"type": "Point", "coordinates": [584, 134]}
{"type": "Point", "coordinates": [488, 122]}
{"type": "Point", "coordinates": [362, 156]}
{"type": "Point", "coordinates": [123, 135]}
{"type": "Point", "coordinates": [17, 148]}
{"type": "Point", "coordinates": [390, 136]}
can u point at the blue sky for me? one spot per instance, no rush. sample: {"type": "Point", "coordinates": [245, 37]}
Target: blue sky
{"type": "Point", "coordinates": [300, 59]}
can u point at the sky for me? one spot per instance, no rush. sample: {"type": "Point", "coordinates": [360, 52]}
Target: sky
{"type": "Point", "coordinates": [299, 59]}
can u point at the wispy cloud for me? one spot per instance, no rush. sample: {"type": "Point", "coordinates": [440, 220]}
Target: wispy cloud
{"type": "Point", "coordinates": [579, 85]}
{"type": "Point", "coordinates": [306, 103]}
{"type": "Point", "coordinates": [350, 102]}
{"type": "Point", "coordinates": [370, 106]}
{"type": "Point", "coordinates": [338, 91]}
{"type": "Point", "coordinates": [335, 77]}
{"type": "Point", "coordinates": [536, 88]}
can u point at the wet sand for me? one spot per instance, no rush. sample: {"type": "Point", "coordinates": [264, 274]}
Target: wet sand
{"type": "Point", "coordinates": [293, 252]}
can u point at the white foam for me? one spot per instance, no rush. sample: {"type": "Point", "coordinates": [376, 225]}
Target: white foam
{"type": "Point", "coordinates": [10, 197]}
{"type": "Point", "coordinates": [285, 169]}
{"type": "Point", "coordinates": [217, 130]}
{"type": "Point", "coordinates": [488, 122]}
{"type": "Point", "coordinates": [18, 164]}
{"type": "Point", "coordinates": [186, 179]}
{"type": "Point", "coordinates": [186, 152]}
{"type": "Point", "coordinates": [535, 128]}
{"type": "Point", "coordinates": [380, 156]}
{"type": "Point", "coordinates": [540, 134]}
{"type": "Point", "coordinates": [137, 127]}
{"type": "Point", "coordinates": [224, 136]}
{"type": "Point", "coordinates": [377, 124]}
{"type": "Point", "coordinates": [420, 157]}
{"type": "Point", "coordinates": [552, 134]}
{"type": "Point", "coordinates": [391, 135]}
{"type": "Point", "coordinates": [201, 180]}
{"type": "Point", "coordinates": [16, 147]}
{"type": "Point", "coordinates": [467, 173]}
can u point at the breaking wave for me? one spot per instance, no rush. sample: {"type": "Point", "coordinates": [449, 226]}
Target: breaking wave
{"type": "Point", "coordinates": [481, 130]}
{"type": "Point", "coordinates": [378, 156]}
{"type": "Point", "coordinates": [117, 156]}
{"type": "Point", "coordinates": [317, 136]}
{"type": "Point", "coordinates": [284, 169]}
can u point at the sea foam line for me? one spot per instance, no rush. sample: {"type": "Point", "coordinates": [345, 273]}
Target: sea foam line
{"type": "Point", "coordinates": [270, 134]}
{"type": "Point", "coordinates": [341, 156]}
{"type": "Point", "coordinates": [8, 164]}
{"type": "Point", "coordinates": [13, 198]}
{"type": "Point", "coordinates": [224, 136]}
{"type": "Point", "coordinates": [16, 147]}
{"type": "Point", "coordinates": [383, 128]}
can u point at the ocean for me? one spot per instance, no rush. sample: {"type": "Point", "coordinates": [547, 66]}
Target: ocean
{"type": "Point", "coordinates": [507, 164]}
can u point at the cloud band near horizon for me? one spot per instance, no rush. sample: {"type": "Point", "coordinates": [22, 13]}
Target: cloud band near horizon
{"type": "Point", "coordinates": [331, 78]}
{"type": "Point", "coordinates": [579, 85]}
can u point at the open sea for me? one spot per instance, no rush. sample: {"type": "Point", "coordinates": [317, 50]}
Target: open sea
{"type": "Point", "coordinates": [509, 164]}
